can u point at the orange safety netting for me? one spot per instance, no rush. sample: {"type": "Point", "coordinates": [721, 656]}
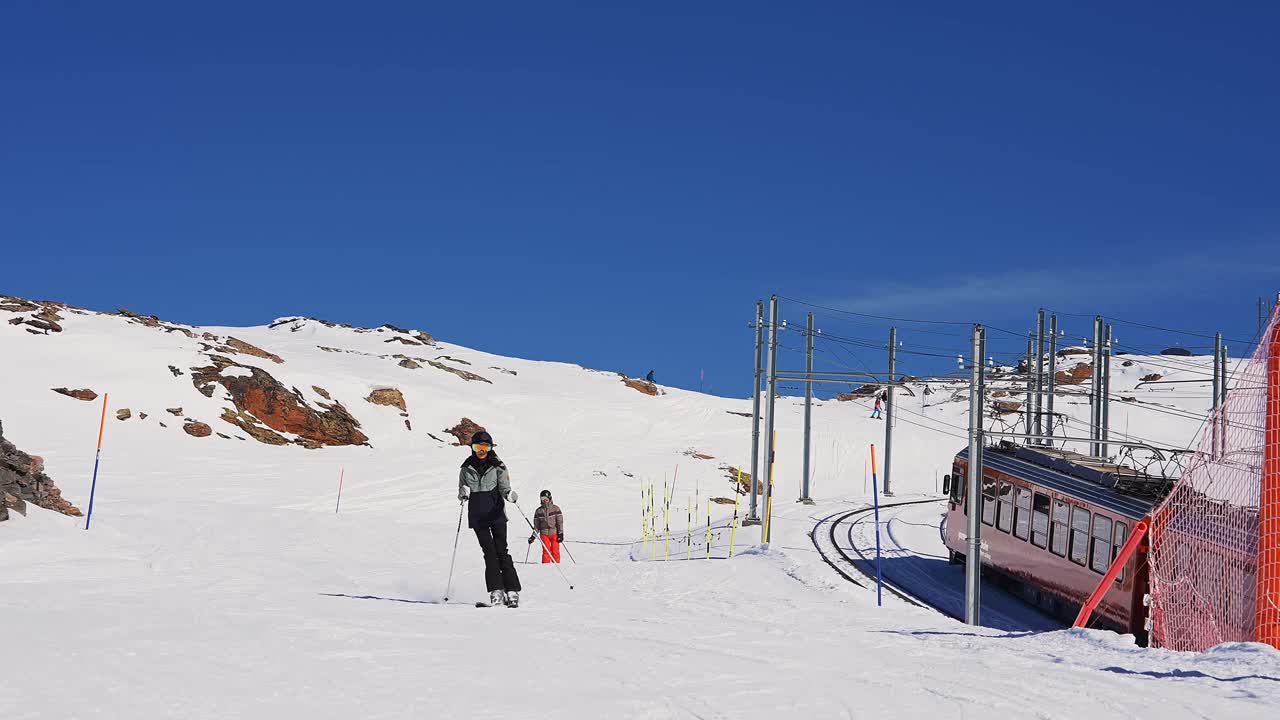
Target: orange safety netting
{"type": "Point", "coordinates": [1215, 541]}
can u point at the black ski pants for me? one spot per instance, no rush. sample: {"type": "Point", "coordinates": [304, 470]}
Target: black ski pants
{"type": "Point", "coordinates": [499, 569]}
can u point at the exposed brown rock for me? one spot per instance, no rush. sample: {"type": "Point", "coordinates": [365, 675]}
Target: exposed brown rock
{"type": "Point", "coordinates": [723, 501]}
{"type": "Point", "coordinates": [13, 304]}
{"type": "Point", "coordinates": [321, 392]}
{"type": "Point", "coordinates": [253, 350]}
{"type": "Point", "coordinates": [740, 414]}
{"type": "Point", "coordinates": [197, 429]}
{"type": "Point", "coordinates": [862, 391]}
{"type": "Point", "coordinates": [409, 364]}
{"type": "Point", "coordinates": [404, 341]}
{"type": "Point", "coordinates": [82, 394]}
{"type": "Point", "coordinates": [647, 388]}
{"type": "Point", "coordinates": [1074, 376]}
{"type": "Point", "coordinates": [465, 375]}
{"type": "Point", "coordinates": [464, 430]}
{"type": "Point", "coordinates": [250, 425]}
{"type": "Point", "coordinates": [1006, 406]}
{"type": "Point", "coordinates": [142, 415]}
{"type": "Point", "coordinates": [177, 412]}
{"type": "Point", "coordinates": [1152, 377]}
{"type": "Point", "coordinates": [176, 372]}
{"type": "Point", "coordinates": [123, 414]}
{"type": "Point", "coordinates": [23, 480]}
{"type": "Point", "coordinates": [279, 408]}
{"type": "Point", "coordinates": [388, 396]}
{"type": "Point", "coordinates": [741, 483]}
{"type": "Point", "coordinates": [407, 426]}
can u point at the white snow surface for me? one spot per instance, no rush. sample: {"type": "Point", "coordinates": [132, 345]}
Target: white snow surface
{"type": "Point", "coordinates": [218, 582]}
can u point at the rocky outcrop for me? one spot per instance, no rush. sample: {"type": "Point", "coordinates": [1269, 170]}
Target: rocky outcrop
{"type": "Point", "coordinates": [643, 386]}
{"type": "Point", "coordinates": [741, 480]}
{"type": "Point", "coordinates": [197, 429]}
{"type": "Point", "coordinates": [321, 392]}
{"type": "Point", "coordinates": [250, 425]}
{"type": "Point", "coordinates": [464, 374]}
{"type": "Point", "coordinates": [1076, 375]}
{"type": "Point", "coordinates": [82, 394]}
{"type": "Point", "coordinates": [23, 480]}
{"type": "Point", "coordinates": [44, 316]}
{"type": "Point", "coordinates": [124, 414]}
{"type": "Point", "coordinates": [464, 430]}
{"type": "Point", "coordinates": [176, 412]}
{"type": "Point", "coordinates": [409, 364]}
{"type": "Point", "coordinates": [1006, 406]}
{"type": "Point", "coordinates": [254, 350]}
{"type": "Point", "coordinates": [256, 393]}
{"type": "Point", "coordinates": [388, 396]}
{"type": "Point", "coordinates": [858, 393]}
{"type": "Point", "coordinates": [1152, 377]}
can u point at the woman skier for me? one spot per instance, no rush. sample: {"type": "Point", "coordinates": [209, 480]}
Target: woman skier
{"type": "Point", "coordinates": [548, 522]}
{"type": "Point", "coordinates": [484, 482]}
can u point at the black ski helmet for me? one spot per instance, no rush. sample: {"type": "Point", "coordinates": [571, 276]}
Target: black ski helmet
{"type": "Point", "coordinates": [545, 494]}
{"type": "Point", "coordinates": [482, 437]}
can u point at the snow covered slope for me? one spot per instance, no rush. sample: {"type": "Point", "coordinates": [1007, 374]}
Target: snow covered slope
{"type": "Point", "coordinates": [217, 580]}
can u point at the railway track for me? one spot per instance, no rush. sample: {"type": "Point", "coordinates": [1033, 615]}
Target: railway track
{"type": "Point", "coordinates": [863, 565]}
{"type": "Point", "coordinates": [922, 580]}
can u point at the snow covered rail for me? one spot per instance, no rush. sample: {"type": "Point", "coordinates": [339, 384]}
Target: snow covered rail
{"type": "Point", "coordinates": [916, 570]}
{"type": "Point", "coordinates": [824, 533]}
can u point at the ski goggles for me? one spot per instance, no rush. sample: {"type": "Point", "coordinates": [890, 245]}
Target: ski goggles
{"type": "Point", "coordinates": [482, 446]}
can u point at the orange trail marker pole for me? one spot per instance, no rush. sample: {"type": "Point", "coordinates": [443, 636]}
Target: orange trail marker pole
{"type": "Point", "coordinates": [1267, 613]}
{"type": "Point", "coordinates": [102, 424]}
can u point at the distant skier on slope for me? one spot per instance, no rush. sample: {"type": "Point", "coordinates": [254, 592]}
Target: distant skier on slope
{"type": "Point", "coordinates": [649, 378]}
{"type": "Point", "coordinates": [548, 522]}
{"type": "Point", "coordinates": [875, 412]}
{"type": "Point", "coordinates": [484, 482]}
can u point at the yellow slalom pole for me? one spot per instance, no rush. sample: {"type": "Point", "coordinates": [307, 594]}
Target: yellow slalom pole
{"type": "Point", "coordinates": [708, 528]}
{"type": "Point", "coordinates": [733, 532]}
{"type": "Point", "coordinates": [653, 532]}
{"type": "Point", "coordinates": [666, 525]}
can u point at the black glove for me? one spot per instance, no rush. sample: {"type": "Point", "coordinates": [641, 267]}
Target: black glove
{"type": "Point", "coordinates": [560, 537]}
{"type": "Point", "coordinates": [532, 538]}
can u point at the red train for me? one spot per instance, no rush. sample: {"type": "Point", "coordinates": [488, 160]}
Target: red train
{"type": "Point", "coordinates": [1052, 522]}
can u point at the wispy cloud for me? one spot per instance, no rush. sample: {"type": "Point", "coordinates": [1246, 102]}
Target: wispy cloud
{"type": "Point", "coordinates": [957, 293]}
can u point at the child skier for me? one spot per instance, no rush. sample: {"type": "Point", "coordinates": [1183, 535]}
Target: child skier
{"type": "Point", "coordinates": [548, 522]}
{"type": "Point", "coordinates": [483, 481]}
{"type": "Point", "coordinates": [875, 413]}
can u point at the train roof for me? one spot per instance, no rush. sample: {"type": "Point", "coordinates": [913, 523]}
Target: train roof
{"type": "Point", "coordinates": [1118, 488]}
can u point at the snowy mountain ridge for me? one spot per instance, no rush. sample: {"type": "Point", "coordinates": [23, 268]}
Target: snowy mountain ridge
{"type": "Point", "coordinates": [222, 578]}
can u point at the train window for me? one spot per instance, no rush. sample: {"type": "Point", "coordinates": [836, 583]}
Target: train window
{"type": "Point", "coordinates": [957, 484]}
{"type": "Point", "coordinates": [1058, 531]}
{"type": "Point", "coordinates": [1079, 535]}
{"type": "Point", "coordinates": [1100, 555]}
{"type": "Point", "coordinates": [1022, 518]}
{"type": "Point", "coordinates": [1122, 533]}
{"type": "Point", "coordinates": [1004, 521]}
{"type": "Point", "coordinates": [988, 501]}
{"type": "Point", "coordinates": [1040, 521]}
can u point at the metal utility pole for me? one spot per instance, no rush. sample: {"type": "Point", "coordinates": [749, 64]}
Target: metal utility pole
{"type": "Point", "coordinates": [888, 408]}
{"type": "Point", "coordinates": [973, 486]}
{"type": "Point", "coordinates": [808, 407]}
{"type": "Point", "coordinates": [1052, 380]}
{"type": "Point", "coordinates": [1222, 402]}
{"type": "Point", "coordinates": [1096, 380]}
{"type": "Point", "coordinates": [1217, 391]}
{"type": "Point", "coordinates": [771, 389]}
{"type": "Point", "coordinates": [1027, 411]}
{"type": "Point", "coordinates": [753, 516]}
{"type": "Point", "coordinates": [1039, 409]}
{"type": "Point", "coordinates": [1104, 431]}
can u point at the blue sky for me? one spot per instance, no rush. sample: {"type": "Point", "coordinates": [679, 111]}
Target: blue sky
{"type": "Point", "coordinates": [616, 186]}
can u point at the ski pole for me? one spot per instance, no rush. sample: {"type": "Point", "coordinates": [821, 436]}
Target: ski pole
{"type": "Point", "coordinates": [544, 545]}
{"type": "Point", "coordinates": [566, 549]}
{"type": "Point", "coordinates": [526, 553]}
{"type": "Point", "coordinates": [462, 504]}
